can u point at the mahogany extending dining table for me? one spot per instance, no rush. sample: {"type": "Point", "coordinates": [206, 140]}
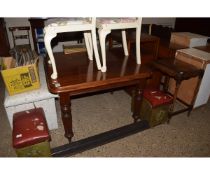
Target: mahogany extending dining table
{"type": "Point", "coordinates": [77, 75]}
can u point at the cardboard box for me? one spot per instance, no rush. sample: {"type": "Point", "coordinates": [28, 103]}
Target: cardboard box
{"type": "Point", "coordinates": [27, 100]}
{"type": "Point", "coordinates": [187, 39]}
{"type": "Point", "coordinates": [19, 79]}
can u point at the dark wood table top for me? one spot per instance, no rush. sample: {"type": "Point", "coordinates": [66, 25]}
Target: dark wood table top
{"type": "Point", "coordinates": [77, 74]}
{"type": "Point", "coordinates": [177, 69]}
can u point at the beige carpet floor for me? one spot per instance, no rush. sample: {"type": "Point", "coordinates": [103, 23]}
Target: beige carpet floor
{"type": "Point", "coordinates": [183, 137]}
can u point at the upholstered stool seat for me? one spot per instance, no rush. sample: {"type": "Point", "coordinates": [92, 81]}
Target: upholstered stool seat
{"type": "Point", "coordinates": [155, 106]}
{"type": "Point", "coordinates": [30, 133]}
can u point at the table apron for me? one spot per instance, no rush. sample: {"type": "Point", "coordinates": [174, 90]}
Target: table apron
{"type": "Point", "coordinates": [90, 89]}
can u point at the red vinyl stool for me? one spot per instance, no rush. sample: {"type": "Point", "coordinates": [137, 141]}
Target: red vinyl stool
{"type": "Point", "coordinates": [155, 106]}
{"type": "Point", "coordinates": [30, 134]}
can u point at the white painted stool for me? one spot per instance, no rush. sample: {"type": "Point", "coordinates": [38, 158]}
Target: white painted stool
{"type": "Point", "coordinates": [105, 25]}
{"type": "Point", "coordinates": [54, 26]}
{"type": "Point", "coordinates": [28, 100]}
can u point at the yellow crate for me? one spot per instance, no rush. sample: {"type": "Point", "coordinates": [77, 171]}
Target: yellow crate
{"type": "Point", "coordinates": [19, 79]}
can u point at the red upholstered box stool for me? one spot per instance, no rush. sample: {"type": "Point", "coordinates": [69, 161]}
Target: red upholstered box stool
{"type": "Point", "coordinates": [155, 106]}
{"type": "Point", "coordinates": [30, 134]}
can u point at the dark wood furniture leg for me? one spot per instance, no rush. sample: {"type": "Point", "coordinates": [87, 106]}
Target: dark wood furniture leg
{"type": "Point", "coordinates": [129, 46]}
{"type": "Point", "coordinates": [137, 100]}
{"type": "Point", "coordinates": [166, 83]}
{"type": "Point", "coordinates": [156, 48]}
{"type": "Point", "coordinates": [65, 104]}
{"type": "Point", "coordinates": [110, 43]}
{"type": "Point", "coordinates": [178, 83]}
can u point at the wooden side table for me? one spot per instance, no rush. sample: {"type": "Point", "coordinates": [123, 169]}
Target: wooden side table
{"type": "Point", "coordinates": [201, 60]}
{"type": "Point", "coordinates": [179, 71]}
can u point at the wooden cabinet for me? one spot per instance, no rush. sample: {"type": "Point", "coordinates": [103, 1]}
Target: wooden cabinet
{"type": "Point", "coordinates": [201, 60]}
{"type": "Point", "coordinates": [4, 42]}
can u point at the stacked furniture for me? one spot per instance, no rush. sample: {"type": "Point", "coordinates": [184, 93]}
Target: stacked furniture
{"type": "Point", "coordinates": [200, 59]}
{"type": "Point", "coordinates": [36, 98]}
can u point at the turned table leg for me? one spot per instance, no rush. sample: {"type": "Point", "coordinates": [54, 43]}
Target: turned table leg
{"type": "Point", "coordinates": [65, 105]}
{"type": "Point", "coordinates": [138, 95]}
{"type": "Point", "coordinates": [178, 83]}
{"type": "Point", "coordinates": [171, 110]}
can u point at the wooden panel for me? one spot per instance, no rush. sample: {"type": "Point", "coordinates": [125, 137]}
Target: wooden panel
{"type": "Point", "coordinates": [4, 42]}
{"type": "Point", "coordinates": [186, 90]}
{"type": "Point", "coordinates": [194, 25]}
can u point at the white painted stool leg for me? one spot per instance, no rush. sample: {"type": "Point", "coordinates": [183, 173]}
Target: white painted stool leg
{"type": "Point", "coordinates": [138, 56]}
{"type": "Point", "coordinates": [124, 41]}
{"type": "Point", "coordinates": [49, 35]}
{"type": "Point", "coordinates": [102, 37]}
{"type": "Point", "coordinates": [87, 43]}
{"type": "Point", "coordinates": [95, 48]}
